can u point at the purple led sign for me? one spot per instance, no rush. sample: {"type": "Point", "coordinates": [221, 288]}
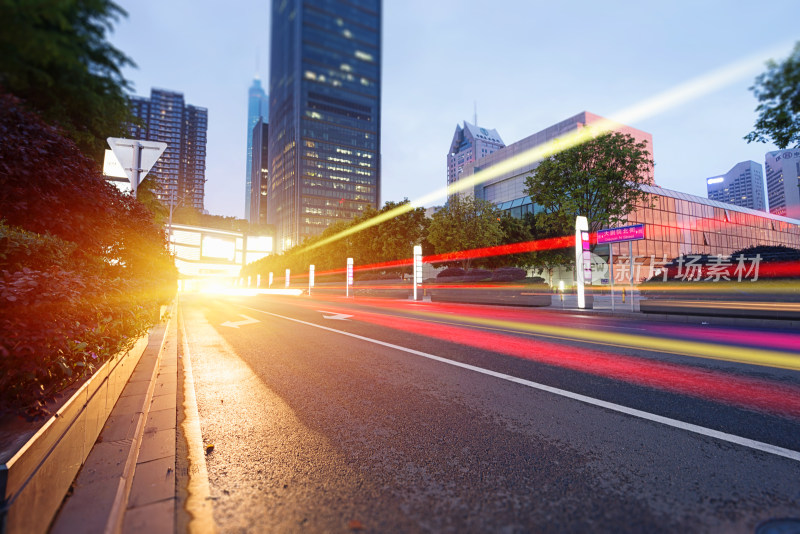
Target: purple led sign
{"type": "Point", "coordinates": [615, 235]}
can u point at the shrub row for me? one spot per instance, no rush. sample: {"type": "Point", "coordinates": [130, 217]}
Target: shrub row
{"type": "Point", "coordinates": [83, 268]}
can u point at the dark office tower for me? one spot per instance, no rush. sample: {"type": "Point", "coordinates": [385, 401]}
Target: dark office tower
{"type": "Point", "coordinates": [259, 173]}
{"type": "Point", "coordinates": [257, 109]}
{"type": "Point", "coordinates": [325, 120]}
{"type": "Point", "coordinates": [181, 169]}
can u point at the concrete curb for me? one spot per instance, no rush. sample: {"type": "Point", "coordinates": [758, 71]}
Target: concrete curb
{"type": "Point", "coordinates": [198, 504]}
{"type": "Point", "coordinates": [117, 513]}
{"type": "Point", "coordinates": [36, 478]}
{"type": "Point", "coordinates": [123, 473]}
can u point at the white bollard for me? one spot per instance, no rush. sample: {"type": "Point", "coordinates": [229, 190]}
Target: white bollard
{"type": "Point", "coordinates": [349, 281]}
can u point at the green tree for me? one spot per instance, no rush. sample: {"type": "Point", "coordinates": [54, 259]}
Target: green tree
{"type": "Point", "coordinates": [465, 224]}
{"type": "Point", "coordinates": [515, 231]}
{"type": "Point", "coordinates": [146, 194]}
{"type": "Point", "coordinates": [83, 268]}
{"type": "Point", "coordinates": [778, 94]}
{"type": "Point", "coordinates": [54, 55]}
{"type": "Point", "coordinates": [598, 179]}
{"type": "Point", "coordinates": [390, 240]}
{"type": "Point", "coordinates": [545, 227]}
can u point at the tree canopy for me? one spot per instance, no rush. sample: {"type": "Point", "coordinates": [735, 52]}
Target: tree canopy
{"type": "Point", "coordinates": [55, 57]}
{"type": "Point", "coordinates": [465, 223]}
{"type": "Point", "coordinates": [778, 94]}
{"type": "Point", "coordinates": [388, 241]}
{"type": "Point", "coordinates": [83, 267]}
{"type": "Point", "coordinates": [598, 179]}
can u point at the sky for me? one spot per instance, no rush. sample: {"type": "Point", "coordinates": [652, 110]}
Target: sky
{"type": "Point", "coordinates": [525, 64]}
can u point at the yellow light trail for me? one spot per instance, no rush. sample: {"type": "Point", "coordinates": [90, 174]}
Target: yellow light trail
{"type": "Point", "coordinates": [681, 94]}
{"type": "Point", "coordinates": [730, 353]}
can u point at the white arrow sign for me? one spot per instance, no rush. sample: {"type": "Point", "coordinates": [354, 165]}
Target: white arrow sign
{"type": "Point", "coordinates": [336, 316]}
{"type": "Point", "coordinates": [237, 324]}
{"type": "Point", "coordinates": [136, 157]}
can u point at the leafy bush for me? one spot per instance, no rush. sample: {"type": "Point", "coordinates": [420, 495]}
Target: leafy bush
{"type": "Point", "coordinates": [451, 272]}
{"type": "Point", "coordinates": [475, 275]}
{"type": "Point", "coordinates": [509, 274]}
{"type": "Point", "coordinates": [83, 268]}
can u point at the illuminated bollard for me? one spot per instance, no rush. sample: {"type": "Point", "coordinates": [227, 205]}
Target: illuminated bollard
{"type": "Point", "coordinates": [258, 280]}
{"type": "Point", "coordinates": [269, 280]}
{"type": "Point", "coordinates": [349, 281]}
{"type": "Point", "coordinates": [417, 268]}
{"type": "Point", "coordinates": [288, 275]}
{"type": "Point", "coordinates": [310, 278]}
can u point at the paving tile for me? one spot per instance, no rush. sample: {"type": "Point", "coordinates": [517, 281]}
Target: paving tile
{"type": "Point", "coordinates": [168, 370]}
{"type": "Point", "coordinates": [135, 388]}
{"type": "Point", "coordinates": [164, 402]}
{"type": "Point", "coordinates": [155, 445]}
{"type": "Point", "coordinates": [152, 482]}
{"type": "Point", "coordinates": [128, 405]}
{"type": "Point", "coordinates": [160, 420]}
{"type": "Point", "coordinates": [119, 427]}
{"type": "Point", "coordinates": [157, 518]}
{"type": "Point", "coordinates": [146, 365]}
{"type": "Point", "coordinates": [164, 388]}
{"type": "Point", "coordinates": [95, 489]}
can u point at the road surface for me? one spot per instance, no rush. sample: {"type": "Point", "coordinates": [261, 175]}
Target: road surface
{"type": "Point", "coordinates": [335, 415]}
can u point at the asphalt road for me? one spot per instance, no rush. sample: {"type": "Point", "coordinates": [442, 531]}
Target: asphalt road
{"type": "Point", "coordinates": [330, 415]}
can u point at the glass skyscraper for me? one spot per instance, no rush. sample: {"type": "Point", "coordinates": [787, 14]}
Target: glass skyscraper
{"type": "Point", "coordinates": [181, 169]}
{"type": "Point", "coordinates": [324, 133]}
{"type": "Point", "coordinates": [743, 185]}
{"type": "Point", "coordinates": [783, 182]}
{"type": "Point", "coordinates": [257, 108]}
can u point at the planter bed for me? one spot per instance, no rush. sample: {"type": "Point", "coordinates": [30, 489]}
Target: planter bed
{"type": "Point", "coordinates": [723, 308]}
{"type": "Point", "coordinates": [771, 299]}
{"type": "Point", "coordinates": [40, 459]}
{"type": "Point", "coordinates": [537, 297]}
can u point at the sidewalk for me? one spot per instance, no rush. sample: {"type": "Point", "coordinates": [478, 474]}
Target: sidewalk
{"type": "Point", "coordinates": [128, 481]}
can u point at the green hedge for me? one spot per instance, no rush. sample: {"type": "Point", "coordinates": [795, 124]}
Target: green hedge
{"type": "Point", "coordinates": [83, 268]}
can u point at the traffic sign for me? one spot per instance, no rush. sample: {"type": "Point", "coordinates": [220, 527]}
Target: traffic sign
{"type": "Point", "coordinates": [136, 157]}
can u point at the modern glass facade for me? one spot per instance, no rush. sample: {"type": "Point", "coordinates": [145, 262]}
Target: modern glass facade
{"type": "Point", "coordinates": [181, 169]}
{"type": "Point", "coordinates": [678, 223]}
{"type": "Point", "coordinates": [259, 173]}
{"type": "Point", "coordinates": [743, 185]}
{"type": "Point", "coordinates": [324, 146]}
{"type": "Point", "coordinates": [257, 109]}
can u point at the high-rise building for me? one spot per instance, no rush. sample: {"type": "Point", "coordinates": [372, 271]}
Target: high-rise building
{"type": "Point", "coordinates": [509, 185]}
{"type": "Point", "coordinates": [257, 108]}
{"type": "Point", "coordinates": [325, 120]}
{"type": "Point", "coordinates": [181, 169]}
{"type": "Point", "coordinates": [469, 144]}
{"type": "Point", "coordinates": [783, 184]}
{"type": "Point", "coordinates": [743, 185]}
{"type": "Point", "coordinates": [259, 173]}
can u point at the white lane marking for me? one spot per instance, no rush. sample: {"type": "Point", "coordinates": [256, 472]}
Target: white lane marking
{"type": "Point", "coordinates": [689, 427]}
{"type": "Point", "coordinates": [337, 316]}
{"type": "Point", "coordinates": [237, 324]}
